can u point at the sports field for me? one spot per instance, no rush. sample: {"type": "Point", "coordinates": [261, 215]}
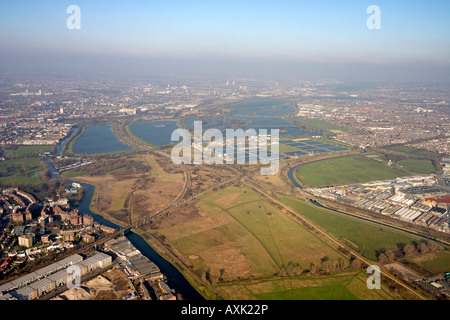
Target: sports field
{"type": "Point", "coordinates": [345, 170]}
{"type": "Point", "coordinates": [365, 237]}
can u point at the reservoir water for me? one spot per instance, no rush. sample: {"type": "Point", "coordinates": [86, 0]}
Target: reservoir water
{"type": "Point", "coordinates": [99, 139]}
{"type": "Point", "coordinates": [156, 133]}
{"type": "Point", "coordinates": [258, 104]}
{"type": "Point", "coordinates": [174, 278]}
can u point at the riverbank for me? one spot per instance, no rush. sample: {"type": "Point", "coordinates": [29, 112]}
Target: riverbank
{"type": "Point", "coordinates": [175, 278]}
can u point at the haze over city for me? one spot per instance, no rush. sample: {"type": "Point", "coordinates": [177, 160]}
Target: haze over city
{"type": "Point", "coordinates": [224, 151]}
{"type": "Point", "coordinates": [304, 39]}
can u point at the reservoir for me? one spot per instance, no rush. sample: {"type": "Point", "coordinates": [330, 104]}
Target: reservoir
{"type": "Point", "coordinates": [174, 278]}
{"type": "Point", "coordinates": [157, 133]}
{"type": "Point", "coordinates": [259, 104]}
{"type": "Point", "coordinates": [99, 139]}
{"type": "Point", "coordinates": [265, 111]}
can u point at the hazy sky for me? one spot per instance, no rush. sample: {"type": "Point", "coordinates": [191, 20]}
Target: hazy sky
{"type": "Point", "coordinates": [310, 38]}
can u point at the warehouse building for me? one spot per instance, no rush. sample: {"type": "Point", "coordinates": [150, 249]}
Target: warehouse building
{"type": "Point", "coordinates": [35, 284]}
{"type": "Point", "coordinates": [25, 280]}
{"type": "Point", "coordinates": [42, 286]}
{"type": "Point", "coordinates": [25, 293]}
{"type": "Point", "coordinates": [59, 278]}
{"type": "Point", "coordinates": [99, 260]}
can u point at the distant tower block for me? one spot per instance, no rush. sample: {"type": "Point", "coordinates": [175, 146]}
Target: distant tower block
{"type": "Point", "coordinates": [228, 83]}
{"type": "Point", "coordinates": [61, 110]}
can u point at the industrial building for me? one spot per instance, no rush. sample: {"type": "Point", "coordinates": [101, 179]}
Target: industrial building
{"type": "Point", "coordinates": [403, 198]}
{"type": "Point", "coordinates": [35, 284]}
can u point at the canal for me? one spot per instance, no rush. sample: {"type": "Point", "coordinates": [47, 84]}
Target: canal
{"type": "Point", "coordinates": [297, 185]}
{"type": "Point", "coordinates": [175, 279]}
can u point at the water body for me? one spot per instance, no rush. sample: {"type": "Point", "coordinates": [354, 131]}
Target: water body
{"type": "Point", "coordinates": [285, 131]}
{"type": "Point", "coordinates": [99, 139]}
{"type": "Point", "coordinates": [220, 123]}
{"type": "Point", "coordinates": [266, 111]}
{"type": "Point", "coordinates": [157, 133]}
{"type": "Point", "coordinates": [258, 104]}
{"type": "Point", "coordinates": [297, 185]}
{"type": "Point", "coordinates": [63, 142]}
{"type": "Point", "coordinates": [174, 278]}
{"type": "Point", "coordinates": [266, 121]}
{"type": "Point", "coordinates": [340, 98]}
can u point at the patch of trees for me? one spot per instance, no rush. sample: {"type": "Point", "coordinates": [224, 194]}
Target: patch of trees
{"type": "Point", "coordinates": [409, 250]}
{"type": "Point", "coordinates": [9, 170]}
{"type": "Point", "coordinates": [39, 190]}
{"type": "Point", "coordinates": [46, 173]}
{"type": "Point", "coordinates": [326, 266]}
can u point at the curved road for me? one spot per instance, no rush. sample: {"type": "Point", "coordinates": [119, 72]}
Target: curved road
{"type": "Point", "coordinates": [381, 223]}
{"type": "Point", "coordinates": [332, 239]}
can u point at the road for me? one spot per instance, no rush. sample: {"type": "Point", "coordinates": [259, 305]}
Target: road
{"type": "Point", "coordinates": [355, 215]}
{"type": "Point", "coordinates": [331, 238]}
{"type": "Point", "coordinates": [248, 183]}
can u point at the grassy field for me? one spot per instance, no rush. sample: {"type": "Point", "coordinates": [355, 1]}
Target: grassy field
{"type": "Point", "coordinates": [366, 237]}
{"type": "Point", "coordinates": [345, 170]}
{"type": "Point", "coordinates": [237, 234]}
{"type": "Point", "coordinates": [350, 285]}
{"type": "Point", "coordinates": [131, 192]}
{"type": "Point", "coordinates": [417, 166]}
{"type": "Point", "coordinates": [436, 262]}
{"type": "Point", "coordinates": [21, 170]}
{"type": "Point", "coordinates": [26, 151]}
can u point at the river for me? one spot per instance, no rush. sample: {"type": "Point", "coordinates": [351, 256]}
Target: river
{"type": "Point", "coordinates": [175, 279]}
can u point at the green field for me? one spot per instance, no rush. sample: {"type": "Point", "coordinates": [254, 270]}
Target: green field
{"type": "Point", "coordinates": [241, 233]}
{"type": "Point", "coordinates": [20, 170]}
{"type": "Point", "coordinates": [417, 166]}
{"type": "Point", "coordinates": [344, 170]}
{"type": "Point", "coordinates": [366, 237]}
{"type": "Point", "coordinates": [349, 285]}
{"type": "Point", "coordinates": [436, 262]}
{"type": "Point", "coordinates": [26, 151]}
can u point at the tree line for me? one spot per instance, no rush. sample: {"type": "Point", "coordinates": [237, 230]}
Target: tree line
{"type": "Point", "coordinates": [407, 251]}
